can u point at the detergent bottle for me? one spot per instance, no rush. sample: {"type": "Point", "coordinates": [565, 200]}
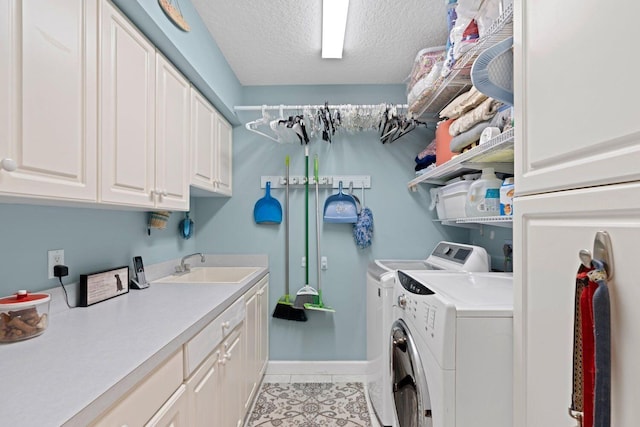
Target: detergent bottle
{"type": "Point", "coordinates": [483, 197]}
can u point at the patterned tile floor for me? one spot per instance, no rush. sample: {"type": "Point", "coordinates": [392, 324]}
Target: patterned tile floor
{"type": "Point", "coordinates": [312, 401]}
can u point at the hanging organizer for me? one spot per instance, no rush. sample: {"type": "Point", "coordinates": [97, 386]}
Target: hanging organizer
{"type": "Point", "coordinates": [327, 181]}
{"type": "Point", "coordinates": [591, 385]}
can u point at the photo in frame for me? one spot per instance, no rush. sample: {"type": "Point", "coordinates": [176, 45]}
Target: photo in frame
{"type": "Point", "coordinates": [103, 285]}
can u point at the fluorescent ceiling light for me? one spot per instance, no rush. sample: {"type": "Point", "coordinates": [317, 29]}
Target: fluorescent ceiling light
{"type": "Point", "coordinates": [334, 24]}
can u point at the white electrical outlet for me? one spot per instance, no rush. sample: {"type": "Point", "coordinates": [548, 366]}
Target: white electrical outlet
{"type": "Point", "coordinates": [304, 262]}
{"type": "Point", "coordinates": [323, 263]}
{"type": "Point", "coordinates": [56, 257]}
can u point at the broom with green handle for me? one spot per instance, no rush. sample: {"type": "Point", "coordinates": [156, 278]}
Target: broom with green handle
{"type": "Point", "coordinates": [284, 308]}
{"type": "Point", "coordinates": [306, 294]}
{"type": "Point", "coordinates": [318, 304]}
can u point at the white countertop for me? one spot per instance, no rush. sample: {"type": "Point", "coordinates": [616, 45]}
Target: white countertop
{"type": "Point", "coordinates": [89, 357]}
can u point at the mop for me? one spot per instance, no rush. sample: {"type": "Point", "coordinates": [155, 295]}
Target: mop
{"type": "Point", "coordinates": [284, 308]}
{"type": "Point", "coordinates": [306, 294]}
{"type": "Point", "coordinates": [318, 304]}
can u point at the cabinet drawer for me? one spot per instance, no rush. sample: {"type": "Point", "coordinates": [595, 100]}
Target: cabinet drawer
{"type": "Point", "coordinates": [143, 402]}
{"type": "Point", "coordinates": [197, 349]}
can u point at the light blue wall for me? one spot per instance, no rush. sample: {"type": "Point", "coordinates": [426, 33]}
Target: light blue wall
{"type": "Point", "coordinates": [97, 239]}
{"type": "Point", "coordinates": [195, 53]}
{"type": "Point", "coordinates": [92, 239]}
{"type": "Point", "coordinates": [403, 225]}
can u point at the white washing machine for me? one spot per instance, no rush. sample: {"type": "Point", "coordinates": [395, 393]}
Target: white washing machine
{"type": "Point", "coordinates": [452, 349]}
{"type": "Point", "coordinates": [381, 278]}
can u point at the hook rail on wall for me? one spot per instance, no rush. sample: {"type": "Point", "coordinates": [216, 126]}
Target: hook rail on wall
{"type": "Point", "coordinates": [327, 181]}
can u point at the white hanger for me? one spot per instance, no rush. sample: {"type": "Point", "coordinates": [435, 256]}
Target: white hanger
{"type": "Point", "coordinates": [264, 120]}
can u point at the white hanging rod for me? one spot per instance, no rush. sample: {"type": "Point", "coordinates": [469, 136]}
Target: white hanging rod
{"type": "Point", "coordinates": [301, 107]}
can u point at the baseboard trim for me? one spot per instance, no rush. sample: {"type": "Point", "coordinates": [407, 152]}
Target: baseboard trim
{"type": "Point", "coordinates": [288, 367]}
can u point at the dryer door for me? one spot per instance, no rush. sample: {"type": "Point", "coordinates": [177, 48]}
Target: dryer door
{"type": "Point", "coordinates": [410, 391]}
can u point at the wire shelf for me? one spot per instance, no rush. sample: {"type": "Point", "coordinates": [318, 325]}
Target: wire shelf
{"type": "Point", "coordinates": [444, 90]}
{"type": "Point", "coordinates": [497, 153]}
{"type": "Point", "coordinates": [475, 222]}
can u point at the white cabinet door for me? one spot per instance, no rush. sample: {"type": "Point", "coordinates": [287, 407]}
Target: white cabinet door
{"type": "Point", "coordinates": [233, 374]}
{"type": "Point", "coordinates": [263, 328]}
{"type": "Point", "coordinates": [251, 338]}
{"type": "Point", "coordinates": [205, 394]}
{"type": "Point", "coordinates": [211, 149]}
{"type": "Point", "coordinates": [203, 142]}
{"type": "Point", "coordinates": [173, 413]}
{"type": "Point", "coordinates": [224, 157]}
{"type": "Point", "coordinates": [148, 397]}
{"type": "Point", "coordinates": [550, 230]}
{"type": "Point", "coordinates": [48, 104]}
{"type": "Point", "coordinates": [173, 106]}
{"type": "Point", "coordinates": [127, 99]}
{"type": "Point", "coordinates": [576, 113]}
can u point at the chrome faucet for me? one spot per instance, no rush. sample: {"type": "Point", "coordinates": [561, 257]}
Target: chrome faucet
{"type": "Point", "coordinates": [184, 268]}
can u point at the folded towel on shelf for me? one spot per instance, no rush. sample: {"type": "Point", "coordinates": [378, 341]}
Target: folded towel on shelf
{"type": "Point", "coordinates": [430, 149]}
{"type": "Point", "coordinates": [463, 103]}
{"type": "Point", "coordinates": [468, 137]}
{"type": "Point", "coordinates": [425, 163]}
{"type": "Point", "coordinates": [482, 112]}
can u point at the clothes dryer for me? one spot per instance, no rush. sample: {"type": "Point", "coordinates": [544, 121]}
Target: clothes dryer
{"type": "Point", "coordinates": [381, 279]}
{"type": "Point", "coordinates": [451, 348]}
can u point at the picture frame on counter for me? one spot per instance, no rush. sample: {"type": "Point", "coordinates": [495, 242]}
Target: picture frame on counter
{"type": "Point", "coordinates": [103, 285]}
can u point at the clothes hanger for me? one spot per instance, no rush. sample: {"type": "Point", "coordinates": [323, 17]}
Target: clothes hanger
{"type": "Point", "coordinates": [264, 120]}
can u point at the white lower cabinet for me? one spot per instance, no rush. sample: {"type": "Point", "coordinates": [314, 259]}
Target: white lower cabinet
{"type": "Point", "coordinates": [232, 374]}
{"type": "Point", "coordinates": [204, 393]}
{"type": "Point", "coordinates": [141, 405]}
{"type": "Point", "coordinates": [173, 413]}
{"type": "Point", "coordinates": [212, 380]}
{"type": "Point", "coordinates": [256, 339]}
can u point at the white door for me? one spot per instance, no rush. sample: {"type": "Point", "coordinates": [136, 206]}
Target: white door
{"type": "Point", "coordinates": [48, 104]}
{"type": "Point", "coordinates": [203, 142]}
{"type": "Point", "coordinates": [550, 230]}
{"type": "Point", "coordinates": [224, 157]}
{"type": "Point", "coordinates": [173, 107]}
{"type": "Point", "coordinates": [576, 94]}
{"type": "Point", "coordinates": [127, 95]}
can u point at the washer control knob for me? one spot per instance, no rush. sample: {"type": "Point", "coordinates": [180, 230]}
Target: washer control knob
{"type": "Point", "coordinates": [402, 301]}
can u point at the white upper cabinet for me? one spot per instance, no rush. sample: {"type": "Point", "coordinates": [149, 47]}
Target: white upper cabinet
{"type": "Point", "coordinates": [576, 104]}
{"type": "Point", "coordinates": [173, 106]}
{"type": "Point", "coordinates": [48, 105]}
{"type": "Point", "coordinates": [211, 149]}
{"type": "Point", "coordinates": [145, 121]}
{"type": "Point", "coordinates": [224, 156]}
{"type": "Point", "coordinates": [127, 95]}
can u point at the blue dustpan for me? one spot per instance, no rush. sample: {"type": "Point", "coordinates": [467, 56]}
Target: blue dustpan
{"type": "Point", "coordinates": [340, 208]}
{"type": "Point", "coordinates": [267, 210]}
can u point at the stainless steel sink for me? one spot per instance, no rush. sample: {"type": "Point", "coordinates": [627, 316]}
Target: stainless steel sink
{"type": "Point", "coordinates": [211, 275]}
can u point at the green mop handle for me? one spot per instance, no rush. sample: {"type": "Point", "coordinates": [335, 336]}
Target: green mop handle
{"type": "Point", "coordinates": [286, 232]}
{"type": "Point", "coordinates": [306, 214]}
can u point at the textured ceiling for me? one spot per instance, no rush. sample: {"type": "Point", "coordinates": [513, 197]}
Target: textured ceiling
{"type": "Point", "coordinates": [278, 42]}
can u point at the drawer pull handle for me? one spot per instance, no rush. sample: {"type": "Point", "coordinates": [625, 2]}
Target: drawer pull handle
{"type": "Point", "coordinates": [225, 325]}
